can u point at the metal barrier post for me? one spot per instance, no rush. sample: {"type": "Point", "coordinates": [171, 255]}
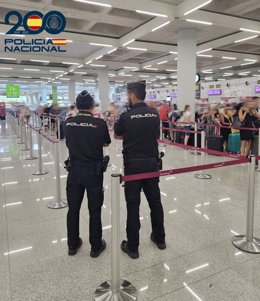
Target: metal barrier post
{"type": "Point", "coordinates": [116, 289]}
{"type": "Point", "coordinates": [50, 125]}
{"type": "Point", "coordinates": [21, 132]}
{"type": "Point", "coordinates": [40, 172]}
{"type": "Point", "coordinates": [58, 203]}
{"type": "Point", "coordinates": [58, 128]}
{"type": "Point", "coordinates": [258, 163]}
{"type": "Point", "coordinates": [203, 175]}
{"type": "Point", "coordinates": [196, 139]}
{"type": "Point", "coordinates": [26, 148]}
{"type": "Point", "coordinates": [31, 157]}
{"type": "Point", "coordinates": [248, 242]}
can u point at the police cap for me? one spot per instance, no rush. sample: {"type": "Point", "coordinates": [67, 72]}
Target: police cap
{"type": "Point", "coordinates": [84, 101]}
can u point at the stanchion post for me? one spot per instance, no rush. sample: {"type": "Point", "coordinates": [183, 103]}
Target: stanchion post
{"type": "Point", "coordinates": [25, 138]}
{"type": "Point", "coordinates": [58, 203]}
{"type": "Point", "coordinates": [117, 289]}
{"type": "Point", "coordinates": [50, 125]}
{"type": "Point", "coordinates": [203, 175]}
{"type": "Point", "coordinates": [248, 242]}
{"type": "Point", "coordinates": [40, 172]}
{"type": "Point", "coordinates": [21, 132]}
{"type": "Point", "coordinates": [58, 128]}
{"type": "Point", "coordinates": [31, 157]}
{"type": "Point", "coordinates": [196, 139]}
{"type": "Point", "coordinates": [258, 153]}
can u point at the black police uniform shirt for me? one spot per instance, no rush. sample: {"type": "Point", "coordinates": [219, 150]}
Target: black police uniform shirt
{"type": "Point", "coordinates": [140, 129]}
{"type": "Point", "coordinates": [85, 137]}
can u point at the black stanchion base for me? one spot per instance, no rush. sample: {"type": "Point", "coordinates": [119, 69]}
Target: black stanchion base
{"type": "Point", "coordinates": [31, 158]}
{"type": "Point", "coordinates": [203, 176]}
{"type": "Point", "coordinates": [241, 242]}
{"type": "Point", "coordinates": [127, 292]}
{"type": "Point", "coordinates": [195, 153]}
{"type": "Point", "coordinates": [40, 173]}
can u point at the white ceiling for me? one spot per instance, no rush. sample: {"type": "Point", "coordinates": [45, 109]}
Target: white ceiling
{"type": "Point", "coordinates": [119, 24]}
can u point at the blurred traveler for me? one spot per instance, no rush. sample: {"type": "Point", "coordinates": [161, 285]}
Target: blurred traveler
{"type": "Point", "coordinates": [226, 121]}
{"type": "Point", "coordinates": [140, 128]}
{"type": "Point", "coordinates": [85, 138]}
{"type": "Point", "coordinates": [72, 112]}
{"type": "Point", "coordinates": [187, 120]}
{"type": "Point", "coordinates": [164, 111]}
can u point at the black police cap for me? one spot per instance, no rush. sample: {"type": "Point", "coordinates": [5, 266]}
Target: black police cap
{"type": "Point", "coordinates": [141, 86]}
{"type": "Point", "coordinates": [84, 100]}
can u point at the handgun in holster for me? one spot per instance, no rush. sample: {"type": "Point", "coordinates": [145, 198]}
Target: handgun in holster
{"type": "Point", "coordinates": [160, 161]}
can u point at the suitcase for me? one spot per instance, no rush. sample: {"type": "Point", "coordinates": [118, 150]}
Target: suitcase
{"type": "Point", "coordinates": [234, 143]}
{"type": "Point", "coordinates": [191, 141]}
{"type": "Point", "coordinates": [216, 143]}
{"type": "Point", "coordinates": [254, 149]}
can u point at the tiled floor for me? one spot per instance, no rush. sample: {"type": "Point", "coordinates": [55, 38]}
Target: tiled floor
{"type": "Point", "coordinates": [201, 217]}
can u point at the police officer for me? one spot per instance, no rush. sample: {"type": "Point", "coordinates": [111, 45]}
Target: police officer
{"type": "Point", "coordinates": [85, 138]}
{"type": "Point", "coordinates": [140, 128]}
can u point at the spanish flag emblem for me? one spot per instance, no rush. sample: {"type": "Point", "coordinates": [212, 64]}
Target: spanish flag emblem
{"type": "Point", "coordinates": [34, 22]}
{"type": "Point", "coordinates": [59, 41]}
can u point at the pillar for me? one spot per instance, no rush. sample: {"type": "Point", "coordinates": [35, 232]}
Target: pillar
{"type": "Point", "coordinates": [72, 91]}
{"type": "Point", "coordinates": [103, 89]}
{"type": "Point", "coordinates": [187, 48]}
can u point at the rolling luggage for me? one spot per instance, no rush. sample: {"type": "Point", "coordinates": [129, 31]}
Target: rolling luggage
{"type": "Point", "coordinates": [234, 143]}
{"type": "Point", "coordinates": [216, 143]}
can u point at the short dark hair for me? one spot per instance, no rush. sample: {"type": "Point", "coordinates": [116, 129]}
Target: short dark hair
{"type": "Point", "coordinates": [84, 101]}
{"type": "Point", "coordinates": [140, 94]}
{"type": "Point", "coordinates": [255, 98]}
{"type": "Point", "coordinates": [72, 107]}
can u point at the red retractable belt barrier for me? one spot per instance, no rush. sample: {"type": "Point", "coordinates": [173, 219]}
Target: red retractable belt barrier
{"type": "Point", "coordinates": [180, 130]}
{"type": "Point", "coordinates": [204, 150]}
{"type": "Point", "coordinates": [176, 171]}
{"type": "Point", "coordinates": [48, 138]}
{"type": "Point", "coordinates": [216, 125]}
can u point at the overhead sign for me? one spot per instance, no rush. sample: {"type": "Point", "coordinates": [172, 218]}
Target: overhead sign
{"type": "Point", "coordinates": [257, 89]}
{"type": "Point", "coordinates": [12, 91]}
{"type": "Point", "coordinates": [214, 92]}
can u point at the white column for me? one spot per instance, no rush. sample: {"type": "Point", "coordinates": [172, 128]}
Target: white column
{"type": "Point", "coordinates": [187, 48]}
{"type": "Point", "coordinates": [103, 89]}
{"type": "Point", "coordinates": [72, 91]}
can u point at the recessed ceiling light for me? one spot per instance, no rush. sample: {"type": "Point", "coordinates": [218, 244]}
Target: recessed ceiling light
{"type": "Point", "coordinates": [111, 51]}
{"type": "Point", "coordinates": [171, 70]}
{"type": "Point", "coordinates": [161, 26]}
{"type": "Point", "coordinates": [250, 60]}
{"type": "Point", "coordinates": [56, 71]}
{"type": "Point", "coordinates": [78, 72]}
{"type": "Point", "coordinates": [173, 52]}
{"type": "Point", "coordinates": [250, 30]}
{"type": "Point", "coordinates": [197, 7]}
{"type": "Point", "coordinates": [205, 55]}
{"type": "Point", "coordinates": [102, 45]}
{"type": "Point", "coordinates": [40, 61]}
{"type": "Point", "coordinates": [245, 39]}
{"type": "Point", "coordinates": [208, 78]}
{"type": "Point", "coordinates": [95, 65]}
{"type": "Point", "coordinates": [250, 63]}
{"type": "Point", "coordinates": [33, 70]}
{"type": "Point", "coordinates": [89, 62]}
{"type": "Point", "coordinates": [137, 49]}
{"type": "Point", "coordinates": [229, 58]}
{"type": "Point", "coordinates": [8, 58]}
{"type": "Point", "coordinates": [6, 68]}
{"type": "Point", "coordinates": [99, 57]}
{"type": "Point", "coordinates": [152, 69]}
{"type": "Point", "coordinates": [200, 22]}
{"type": "Point", "coordinates": [129, 42]}
{"type": "Point", "coordinates": [228, 74]}
{"type": "Point", "coordinates": [144, 76]}
{"type": "Point", "coordinates": [221, 79]}
{"type": "Point", "coordinates": [161, 63]}
{"type": "Point", "coordinates": [94, 3]}
{"type": "Point", "coordinates": [205, 50]}
{"type": "Point", "coordinates": [227, 67]}
{"type": "Point", "coordinates": [80, 66]}
{"type": "Point", "coordinates": [151, 13]}
{"type": "Point", "coordinates": [70, 63]}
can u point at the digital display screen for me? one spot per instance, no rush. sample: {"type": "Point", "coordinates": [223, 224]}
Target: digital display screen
{"type": "Point", "coordinates": [257, 89]}
{"type": "Point", "coordinates": [214, 92]}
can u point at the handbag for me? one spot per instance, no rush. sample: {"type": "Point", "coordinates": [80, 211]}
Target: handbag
{"type": "Point", "coordinates": [237, 123]}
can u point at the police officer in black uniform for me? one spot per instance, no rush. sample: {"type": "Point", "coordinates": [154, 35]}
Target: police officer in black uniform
{"type": "Point", "coordinates": [85, 138]}
{"type": "Point", "coordinates": [140, 128]}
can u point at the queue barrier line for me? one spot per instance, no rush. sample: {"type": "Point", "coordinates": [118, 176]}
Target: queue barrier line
{"type": "Point", "coordinates": [151, 175]}
{"type": "Point", "coordinates": [181, 130]}
{"type": "Point", "coordinates": [205, 150]}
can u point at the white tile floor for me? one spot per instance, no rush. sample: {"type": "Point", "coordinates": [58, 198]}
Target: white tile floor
{"type": "Point", "coordinates": [201, 217]}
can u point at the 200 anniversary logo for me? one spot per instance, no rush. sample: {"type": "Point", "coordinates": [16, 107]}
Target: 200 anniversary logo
{"type": "Point", "coordinates": [33, 23]}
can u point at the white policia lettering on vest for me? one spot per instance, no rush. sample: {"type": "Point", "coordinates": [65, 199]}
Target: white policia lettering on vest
{"type": "Point", "coordinates": [148, 115]}
{"type": "Point", "coordinates": [89, 125]}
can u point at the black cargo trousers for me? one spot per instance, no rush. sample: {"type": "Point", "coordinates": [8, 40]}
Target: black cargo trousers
{"type": "Point", "coordinates": [133, 199]}
{"type": "Point", "coordinates": [81, 179]}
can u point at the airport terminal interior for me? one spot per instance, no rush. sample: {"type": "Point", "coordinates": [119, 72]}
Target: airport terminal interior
{"type": "Point", "coordinates": [200, 63]}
